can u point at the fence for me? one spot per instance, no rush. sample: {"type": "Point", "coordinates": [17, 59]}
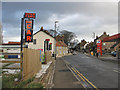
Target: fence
{"type": "Point", "coordinates": [31, 62]}
{"type": "Point", "coordinates": [11, 58]}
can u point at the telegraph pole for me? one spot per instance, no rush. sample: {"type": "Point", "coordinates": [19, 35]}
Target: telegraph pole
{"type": "Point", "coordinates": [55, 38]}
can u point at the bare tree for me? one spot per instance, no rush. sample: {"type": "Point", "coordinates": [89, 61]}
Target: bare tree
{"type": "Point", "coordinates": [68, 36]}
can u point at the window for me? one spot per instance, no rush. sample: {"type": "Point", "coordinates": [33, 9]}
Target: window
{"type": "Point", "coordinates": [34, 41]}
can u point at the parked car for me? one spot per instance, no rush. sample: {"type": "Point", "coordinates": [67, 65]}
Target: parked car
{"type": "Point", "coordinates": [114, 53]}
{"type": "Point", "coordinates": [74, 53]}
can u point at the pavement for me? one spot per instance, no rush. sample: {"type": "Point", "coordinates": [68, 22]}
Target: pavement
{"type": "Point", "coordinates": [98, 73]}
{"type": "Point", "coordinates": [63, 77]}
{"type": "Point", "coordinates": [105, 58]}
{"type": "Point", "coordinates": [43, 70]}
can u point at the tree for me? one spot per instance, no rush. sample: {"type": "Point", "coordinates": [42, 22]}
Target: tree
{"type": "Point", "coordinates": [52, 32]}
{"type": "Point", "coordinates": [68, 36]}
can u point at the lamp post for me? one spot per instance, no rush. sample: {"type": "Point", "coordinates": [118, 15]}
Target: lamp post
{"type": "Point", "coordinates": [55, 38]}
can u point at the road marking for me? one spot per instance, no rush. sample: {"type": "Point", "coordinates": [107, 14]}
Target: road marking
{"type": "Point", "coordinates": [75, 75]}
{"type": "Point", "coordinates": [85, 57]}
{"type": "Point", "coordinates": [78, 75]}
{"type": "Point", "coordinates": [81, 76]}
{"type": "Point", "coordinates": [87, 80]}
{"type": "Point", "coordinates": [116, 71]}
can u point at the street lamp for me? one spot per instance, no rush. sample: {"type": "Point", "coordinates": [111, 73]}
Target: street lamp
{"type": "Point", "coordinates": [55, 38]}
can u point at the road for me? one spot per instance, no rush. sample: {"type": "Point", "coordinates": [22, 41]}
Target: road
{"type": "Point", "coordinates": [100, 73]}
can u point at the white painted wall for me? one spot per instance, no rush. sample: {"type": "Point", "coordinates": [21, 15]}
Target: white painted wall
{"type": "Point", "coordinates": [40, 38]}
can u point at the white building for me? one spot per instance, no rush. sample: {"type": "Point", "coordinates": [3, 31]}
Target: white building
{"type": "Point", "coordinates": [43, 41]}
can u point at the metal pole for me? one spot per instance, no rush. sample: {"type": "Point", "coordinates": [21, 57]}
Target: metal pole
{"type": "Point", "coordinates": [22, 22]}
{"type": "Point", "coordinates": [22, 30]}
{"type": "Point", "coordinates": [55, 40]}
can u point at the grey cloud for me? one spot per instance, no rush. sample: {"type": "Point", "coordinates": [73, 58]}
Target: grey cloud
{"type": "Point", "coordinates": [79, 17]}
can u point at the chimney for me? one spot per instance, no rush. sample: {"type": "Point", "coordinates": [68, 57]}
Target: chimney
{"type": "Point", "coordinates": [104, 33]}
{"type": "Point", "coordinates": [41, 28]}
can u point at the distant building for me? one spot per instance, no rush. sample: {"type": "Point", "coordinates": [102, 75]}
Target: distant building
{"type": "Point", "coordinates": [111, 43]}
{"type": "Point", "coordinates": [104, 35]}
{"type": "Point", "coordinates": [107, 45]}
{"type": "Point", "coordinates": [62, 48]}
{"type": "Point", "coordinates": [83, 42]}
{"type": "Point", "coordinates": [60, 38]}
{"type": "Point", "coordinates": [80, 46]}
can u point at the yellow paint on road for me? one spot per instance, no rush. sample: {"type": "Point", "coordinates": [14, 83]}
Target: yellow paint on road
{"type": "Point", "coordinates": [87, 80]}
{"type": "Point", "coordinates": [78, 74]}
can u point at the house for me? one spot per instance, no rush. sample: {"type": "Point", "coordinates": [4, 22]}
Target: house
{"type": "Point", "coordinates": [44, 41]}
{"type": "Point", "coordinates": [107, 46]}
{"type": "Point", "coordinates": [80, 46]}
{"type": "Point", "coordinates": [62, 48]}
{"type": "Point", "coordinates": [111, 43]}
{"type": "Point", "coordinates": [83, 42]}
{"type": "Point", "coordinates": [104, 35]}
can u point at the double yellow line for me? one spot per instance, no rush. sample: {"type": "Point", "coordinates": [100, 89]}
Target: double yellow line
{"type": "Point", "coordinates": [83, 78]}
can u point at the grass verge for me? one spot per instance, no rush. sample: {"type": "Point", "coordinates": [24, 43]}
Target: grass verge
{"type": "Point", "coordinates": [8, 81]}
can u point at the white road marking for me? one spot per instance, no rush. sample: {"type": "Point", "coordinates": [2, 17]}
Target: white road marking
{"type": "Point", "coordinates": [85, 57]}
{"type": "Point", "coordinates": [116, 71]}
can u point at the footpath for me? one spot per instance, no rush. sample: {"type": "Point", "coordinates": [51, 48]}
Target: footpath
{"type": "Point", "coordinates": [105, 58]}
{"type": "Point", "coordinates": [63, 77]}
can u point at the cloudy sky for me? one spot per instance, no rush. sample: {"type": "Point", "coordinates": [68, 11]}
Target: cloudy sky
{"type": "Point", "coordinates": [82, 18]}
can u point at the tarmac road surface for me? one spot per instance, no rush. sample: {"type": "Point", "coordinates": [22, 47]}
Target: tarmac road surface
{"type": "Point", "coordinates": [100, 73]}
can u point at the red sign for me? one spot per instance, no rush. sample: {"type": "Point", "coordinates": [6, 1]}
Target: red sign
{"type": "Point", "coordinates": [28, 30]}
{"type": "Point", "coordinates": [47, 40]}
{"type": "Point", "coordinates": [30, 15]}
{"type": "Point", "coordinates": [40, 49]}
{"type": "Point", "coordinates": [99, 47]}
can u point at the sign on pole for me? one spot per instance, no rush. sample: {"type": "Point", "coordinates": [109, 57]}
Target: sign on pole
{"type": "Point", "coordinates": [99, 47]}
{"type": "Point", "coordinates": [28, 30]}
{"type": "Point", "coordinates": [30, 15]}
